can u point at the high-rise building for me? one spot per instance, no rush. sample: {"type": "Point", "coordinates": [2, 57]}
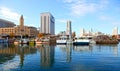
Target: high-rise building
{"type": "Point", "coordinates": [82, 32]}
{"type": "Point", "coordinates": [115, 31]}
{"type": "Point", "coordinates": [47, 23]}
{"type": "Point", "coordinates": [69, 30]}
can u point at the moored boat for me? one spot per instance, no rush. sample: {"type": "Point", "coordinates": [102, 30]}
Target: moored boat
{"type": "Point", "coordinates": [21, 41]}
{"type": "Point", "coordinates": [62, 40]}
{"type": "Point", "coordinates": [81, 41]}
{"type": "Point", "coordinates": [43, 41]}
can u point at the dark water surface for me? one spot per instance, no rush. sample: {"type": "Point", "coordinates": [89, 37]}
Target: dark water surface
{"type": "Point", "coordinates": [60, 58]}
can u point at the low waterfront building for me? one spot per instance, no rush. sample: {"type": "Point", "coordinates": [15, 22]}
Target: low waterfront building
{"type": "Point", "coordinates": [19, 30]}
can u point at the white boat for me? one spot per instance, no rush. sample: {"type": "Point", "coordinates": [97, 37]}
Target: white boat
{"type": "Point", "coordinates": [62, 40]}
{"type": "Point", "coordinates": [81, 41]}
{"type": "Point", "coordinates": [24, 41]}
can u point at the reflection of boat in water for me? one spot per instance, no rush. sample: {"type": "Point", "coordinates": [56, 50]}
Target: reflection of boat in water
{"type": "Point", "coordinates": [62, 46]}
{"type": "Point", "coordinates": [3, 45]}
{"type": "Point", "coordinates": [81, 41]}
{"type": "Point", "coordinates": [82, 48]}
{"type": "Point", "coordinates": [23, 45]}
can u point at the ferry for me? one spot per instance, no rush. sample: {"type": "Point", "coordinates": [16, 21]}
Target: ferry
{"type": "Point", "coordinates": [62, 40]}
{"type": "Point", "coordinates": [81, 41]}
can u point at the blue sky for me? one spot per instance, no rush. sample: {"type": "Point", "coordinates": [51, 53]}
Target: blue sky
{"type": "Point", "coordinates": [100, 15]}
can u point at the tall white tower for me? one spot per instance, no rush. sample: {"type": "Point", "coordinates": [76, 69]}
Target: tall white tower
{"type": "Point", "coordinates": [69, 29]}
{"type": "Point", "coordinates": [47, 23]}
{"type": "Point", "coordinates": [115, 31]}
{"type": "Point", "coordinates": [82, 32]}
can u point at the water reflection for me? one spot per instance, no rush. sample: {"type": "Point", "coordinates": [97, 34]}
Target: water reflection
{"type": "Point", "coordinates": [83, 48]}
{"type": "Point", "coordinates": [93, 50]}
{"type": "Point", "coordinates": [3, 45]}
{"type": "Point", "coordinates": [8, 52]}
{"type": "Point", "coordinates": [67, 49]}
{"type": "Point", "coordinates": [59, 57]}
{"type": "Point", "coordinates": [113, 48]}
{"type": "Point", "coordinates": [47, 53]}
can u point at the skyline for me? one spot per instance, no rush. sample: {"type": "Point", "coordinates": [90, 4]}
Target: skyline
{"type": "Point", "coordinates": [102, 15]}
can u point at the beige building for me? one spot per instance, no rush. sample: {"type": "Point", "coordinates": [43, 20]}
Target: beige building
{"type": "Point", "coordinates": [19, 30]}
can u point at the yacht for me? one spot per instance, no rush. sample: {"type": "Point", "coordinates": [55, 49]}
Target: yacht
{"type": "Point", "coordinates": [62, 40]}
{"type": "Point", "coordinates": [81, 41]}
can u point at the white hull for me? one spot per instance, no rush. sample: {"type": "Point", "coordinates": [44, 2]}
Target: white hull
{"type": "Point", "coordinates": [81, 42]}
{"type": "Point", "coordinates": [61, 41]}
{"type": "Point", "coordinates": [23, 41]}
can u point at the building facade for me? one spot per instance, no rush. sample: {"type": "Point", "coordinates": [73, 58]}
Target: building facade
{"type": "Point", "coordinates": [69, 29]}
{"type": "Point", "coordinates": [19, 30]}
{"type": "Point", "coordinates": [47, 23]}
{"type": "Point", "coordinates": [115, 31]}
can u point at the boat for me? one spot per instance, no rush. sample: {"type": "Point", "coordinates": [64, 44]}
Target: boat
{"type": "Point", "coordinates": [24, 41]}
{"type": "Point", "coordinates": [42, 41]}
{"type": "Point", "coordinates": [21, 41]}
{"type": "Point", "coordinates": [62, 40]}
{"type": "Point", "coordinates": [81, 41]}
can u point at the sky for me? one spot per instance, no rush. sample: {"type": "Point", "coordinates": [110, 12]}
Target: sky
{"type": "Point", "coordinates": [98, 15]}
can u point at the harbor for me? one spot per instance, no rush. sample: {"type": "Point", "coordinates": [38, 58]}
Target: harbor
{"type": "Point", "coordinates": [59, 35]}
{"type": "Point", "coordinates": [59, 57]}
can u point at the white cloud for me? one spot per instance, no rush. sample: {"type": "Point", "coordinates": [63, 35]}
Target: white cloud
{"type": "Point", "coordinates": [105, 18]}
{"type": "Point", "coordinates": [70, 1]}
{"type": "Point", "coordinates": [61, 20]}
{"type": "Point", "coordinates": [83, 7]}
{"type": "Point", "coordinates": [116, 23]}
{"type": "Point", "coordinates": [8, 13]}
{"type": "Point", "coordinates": [9, 66]}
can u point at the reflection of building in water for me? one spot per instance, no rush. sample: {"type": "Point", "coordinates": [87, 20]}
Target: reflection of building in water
{"type": "Point", "coordinates": [12, 51]}
{"type": "Point", "coordinates": [3, 45]}
{"type": "Point", "coordinates": [47, 55]}
{"type": "Point", "coordinates": [68, 50]}
{"type": "Point", "coordinates": [115, 50]}
{"type": "Point", "coordinates": [6, 57]}
{"type": "Point", "coordinates": [112, 48]}
{"type": "Point", "coordinates": [82, 48]}
{"type": "Point", "coordinates": [21, 56]}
